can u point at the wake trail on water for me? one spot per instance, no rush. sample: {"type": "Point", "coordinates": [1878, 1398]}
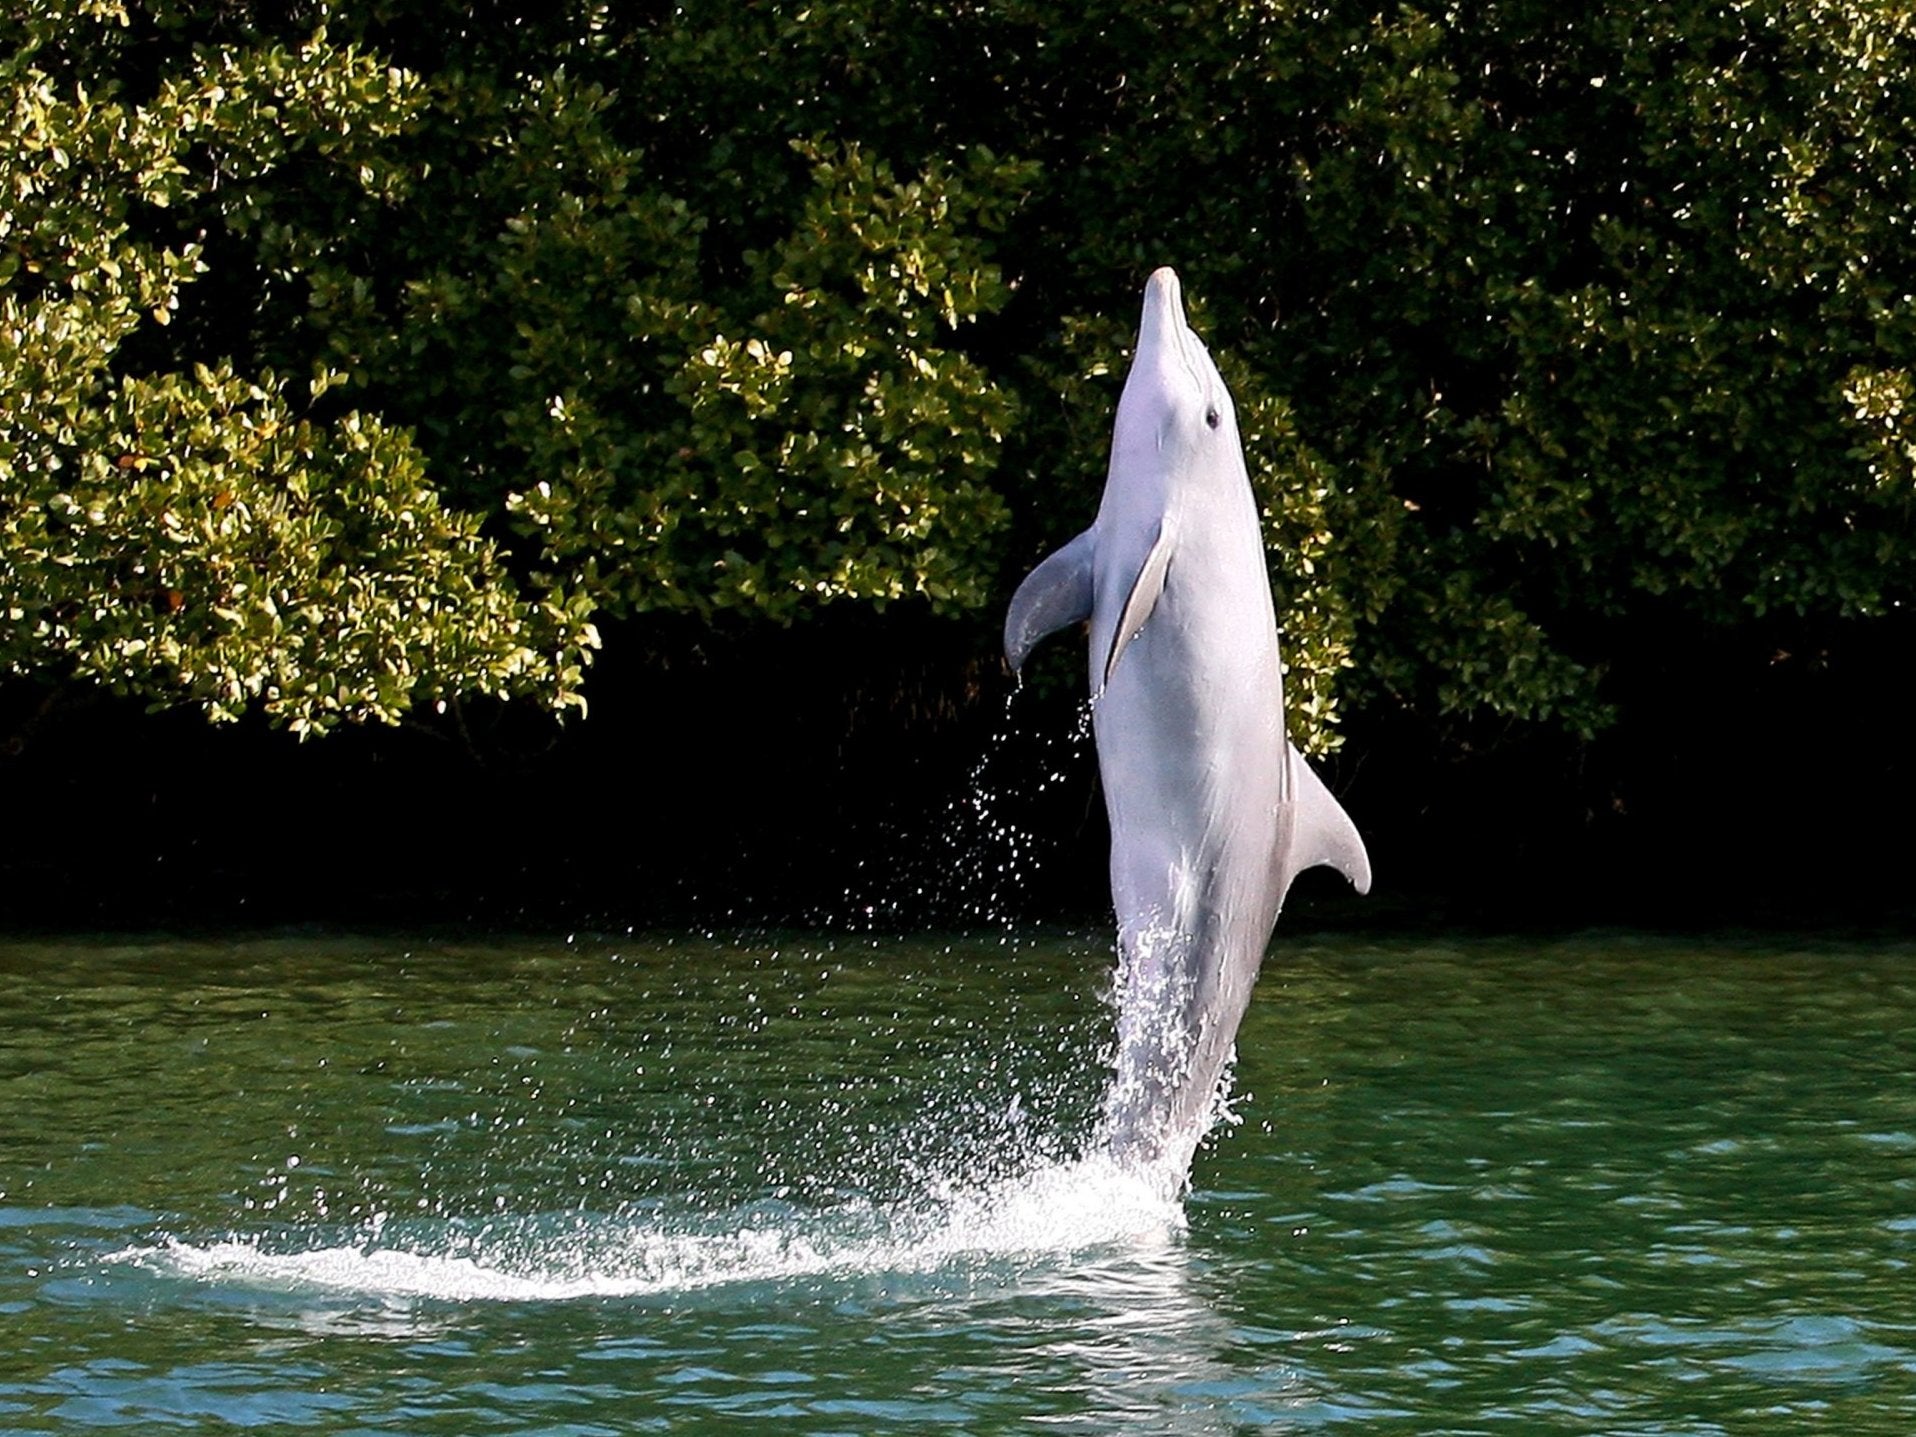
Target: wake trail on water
{"type": "Point", "coordinates": [1055, 1211]}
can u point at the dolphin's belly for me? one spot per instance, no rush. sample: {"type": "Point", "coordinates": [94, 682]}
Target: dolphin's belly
{"type": "Point", "coordinates": [1192, 767]}
{"type": "Point", "coordinates": [1191, 751]}
{"type": "Point", "coordinates": [1190, 728]}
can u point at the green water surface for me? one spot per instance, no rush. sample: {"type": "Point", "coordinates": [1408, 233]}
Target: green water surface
{"type": "Point", "coordinates": [344, 1184]}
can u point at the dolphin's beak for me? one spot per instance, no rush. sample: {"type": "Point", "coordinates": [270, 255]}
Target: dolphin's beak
{"type": "Point", "coordinates": [1161, 330]}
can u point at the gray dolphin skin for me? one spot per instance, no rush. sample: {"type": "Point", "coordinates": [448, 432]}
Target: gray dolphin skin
{"type": "Point", "coordinates": [1213, 812]}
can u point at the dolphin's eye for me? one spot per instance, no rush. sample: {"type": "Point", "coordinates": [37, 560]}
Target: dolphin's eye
{"type": "Point", "coordinates": [1211, 416]}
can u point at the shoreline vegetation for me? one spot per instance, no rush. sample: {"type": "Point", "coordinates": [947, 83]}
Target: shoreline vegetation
{"type": "Point", "coordinates": [573, 461]}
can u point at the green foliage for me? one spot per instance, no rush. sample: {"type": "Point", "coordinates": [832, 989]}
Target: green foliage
{"type": "Point", "coordinates": [198, 538]}
{"type": "Point", "coordinates": [804, 436]}
{"type": "Point", "coordinates": [1550, 331]}
{"type": "Point", "coordinates": [187, 533]}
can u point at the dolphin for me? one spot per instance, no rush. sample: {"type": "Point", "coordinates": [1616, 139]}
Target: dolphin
{"type": "Point", "coordinates": [1213, 811]}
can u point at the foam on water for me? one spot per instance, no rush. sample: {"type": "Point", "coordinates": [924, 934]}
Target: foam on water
{"type": "Point", "coordinates": [1054, 1211]}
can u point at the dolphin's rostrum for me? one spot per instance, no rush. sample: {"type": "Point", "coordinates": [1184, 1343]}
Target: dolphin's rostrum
{"type": "Point", "coordinates": [1213, 812]}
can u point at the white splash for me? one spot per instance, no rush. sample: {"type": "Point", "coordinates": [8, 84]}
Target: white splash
{"type": "Point", "coordinates": [1057, 1210]}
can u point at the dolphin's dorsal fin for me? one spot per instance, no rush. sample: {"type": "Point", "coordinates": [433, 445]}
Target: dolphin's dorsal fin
{"type": "Point", "coordinates": [1321, 833]}
{"type": "Point", "coordinates": [1141, 600]}
{"type": "Point", "coordinates": [1056, 593]}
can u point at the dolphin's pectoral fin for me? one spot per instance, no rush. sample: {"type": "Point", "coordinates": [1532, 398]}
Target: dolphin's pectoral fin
{"type": "Point", "coordinates": [1056, 593]}
{"type": "Point", "coordinates": [1320, 831]}
{"type": "Point", "coordinates": [1142, 598]}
